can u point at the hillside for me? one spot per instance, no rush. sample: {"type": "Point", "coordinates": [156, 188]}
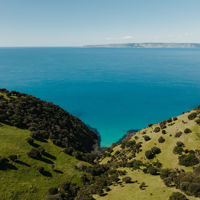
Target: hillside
{"type": "Point", "coordinates": [45, 153]}
{"type": "Point", "coordinates": [159, 160]}
{"type": "Point", "coordinates": [42, 148]}
{"type": "Point", "coordinates": [21, 179]}
{"type": "Point", "coordinates": [46, 121]}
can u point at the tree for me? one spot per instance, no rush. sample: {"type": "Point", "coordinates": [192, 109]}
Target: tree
{"type": "Point", "coordinates": [177, 196]}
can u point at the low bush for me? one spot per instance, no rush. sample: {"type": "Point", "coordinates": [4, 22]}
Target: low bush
{"type": "Point", "coordinates": [41, 170]}
{"type": "Point", "coordinates": [161, 139]}
{"type": "Point", "coordinates": [178, 134]}
{"type": "Point", "coordinates": [68, 151]}
{"type": "Point", "coordinates": [147, 138]}
{"type": "Point", "coordinates": [189, 159]}
{"type": "Point", "coordinates": [180, 144]}
{"type": "Point", "coordinates": [187, 130]}
{"type": "Point", "coordinates": [164, 132]}
{"type": "Point", "coordinates": [178, 150]}
{"type": "Point", "coordinates": [152, 170]}
{"type": "Point", "coordinates": [149, 154]}
{"type": "Point", "coordinates": [177, 196]}
{"type": "Point", "coordinates": [157, 129]}
{"type": "Point", "coordinates": [169, 120]}
{"type": "Point", "coordinates": [30, 140]}
{"type": "Point", "coordinates": [156, 150]}
{"type": "Point", "coordinates": [163, 124]}
{"type": "Point", "coordinates": [13, 157]}
{"type": "Point", "coordinates": [53, 191]}
{"type": "Point", "coordinates": [34, 153]}
{"type": "Point", "coordinates": [127, 179]}
{"type": "Point", "coordinates": [197, 121]}
{"type": "Point", "coordinates": [192, 116]}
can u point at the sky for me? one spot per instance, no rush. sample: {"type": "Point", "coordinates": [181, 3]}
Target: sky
{"type": "Point", "coordinates": [83, 22]}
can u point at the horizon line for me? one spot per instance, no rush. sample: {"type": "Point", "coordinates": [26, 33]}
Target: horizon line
{"type": "Point", "coordinates": [80, 46]}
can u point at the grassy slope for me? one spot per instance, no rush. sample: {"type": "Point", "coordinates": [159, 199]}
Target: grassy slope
{"type": "Point", "coordinates": [155, 190]}
{"type": "Point", "coordinates": [26, 182]}
{"type": "Point", "coordinates": [167, 158]}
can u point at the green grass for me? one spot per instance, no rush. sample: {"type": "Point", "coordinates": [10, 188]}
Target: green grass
{"type": "Point", "coordinates": [26, 182]}
{"type": "Point", "coordinates": [155, 190]}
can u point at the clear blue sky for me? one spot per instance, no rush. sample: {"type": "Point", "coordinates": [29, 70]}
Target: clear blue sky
{"type": "Point", "coordinates": [80, 22]}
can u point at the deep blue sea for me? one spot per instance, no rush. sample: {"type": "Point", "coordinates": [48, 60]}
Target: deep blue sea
{"type": "Point", "coordinates": [113, 90]}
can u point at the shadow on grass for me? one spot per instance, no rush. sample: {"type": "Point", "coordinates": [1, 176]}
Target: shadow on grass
{"type": "Point", "coordinates": [35, 145]}
{"type": "Point", "coordinates": [46, 160]}
{"type": "Point", "coordinates": [41, 140]}
{"type": "Point", "coordinates": [46, 173]}
{"type": "Point", "coordinates": [58, 171]}
{"type": "Point", "coordinates": [22, 163]}
{"type": "Point", "coordinates": [48, 155]}
{"type": "Point", "coordinates": [8, 166]}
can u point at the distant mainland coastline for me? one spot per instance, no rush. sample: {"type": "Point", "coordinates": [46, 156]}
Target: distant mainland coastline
{"type": "Point", "coordinates": [146, 45]}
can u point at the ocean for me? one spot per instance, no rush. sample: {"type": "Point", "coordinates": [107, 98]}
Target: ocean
{"type": "Point", "coordinates": [112, 90]}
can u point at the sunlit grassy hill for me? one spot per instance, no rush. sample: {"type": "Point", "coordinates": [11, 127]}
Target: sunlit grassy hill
{"type": "Point", "coordinates": [21, 179]}
{"type": "Point", "coordinates": [173, 146]}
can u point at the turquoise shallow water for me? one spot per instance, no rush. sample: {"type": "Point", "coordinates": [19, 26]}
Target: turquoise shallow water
{"type": "Point", "coordinates": [113, 90]}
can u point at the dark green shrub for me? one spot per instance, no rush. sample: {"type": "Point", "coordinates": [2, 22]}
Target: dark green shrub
{"type": "Point", "coordinates": [180, 144]}
{"type": "Point", "coordinates": [13, 157]}
{"type": "Point", "coordinates": [178, 150]}
{"type": "Point", "coordinates": [147, 138]}
{"type": "Point", "coordinates": [164, 173]}
{"type": "Point", "coordinates": [127, 179]}
{"type": "Point", "coordinates": [197, 121]}
{"type": "Point", "coordinates": [68, 150]}
{"type": "Point", "coordinates": [155, 150]}
{"type": "Point", "coordinates": [163, 124]}
{"type": "Point", "coordinates": [192, 116]}
{"type": "Point", "coordinates": [34, 153]}
{"type": "Point", "coordinates": [175, 118]}
{"type": "Point", "coordinates": [178, 134]}
{"type": "Point", "coordinates": [130, 143]}
{"type": "Point", "coordinates": [164, 132]}
{"type": "Point", "coordinates": [188, 160]}
{"type": "Point", "coordinates": [41, 170]}
{"type": "Point", "coordinates": [161, 139]}
{"type": "Point", "coordinates": [169, 120]}
{"type": "Point", "coordinates": [187, 130]}
{"type": "Point", "coordinates": [177, 196]}
{"type": "Point", "coordinates": [53, 191]}
{"type": "Point", "coordinates": [194, 188]}
{"type": "Point", "coordinates": [184, 186]}
{"type": "Point", "coordinates": [157, 129]}
{"type": "Point", "coordinates": [152, 170]}
{"type": "Point", "coordinates": [149, 154]}
{"type": "Point", "coordinates": [30, 140]}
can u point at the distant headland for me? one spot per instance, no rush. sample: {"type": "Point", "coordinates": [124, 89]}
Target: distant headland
{"type": "Point", "coordinates": [146, 45]}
